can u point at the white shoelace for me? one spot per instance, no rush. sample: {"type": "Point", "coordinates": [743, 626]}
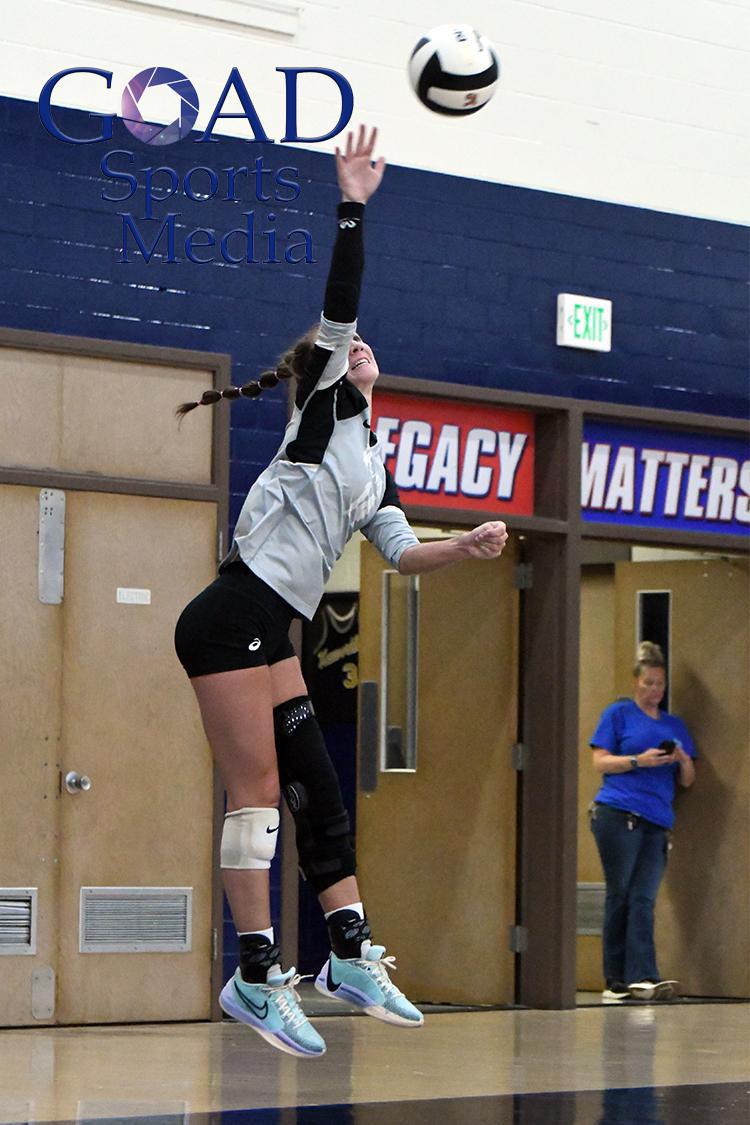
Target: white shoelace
{"type": "Point", "coordinates": [378, 969]}
{"type": "Point", "coordinates": [288, 1000]}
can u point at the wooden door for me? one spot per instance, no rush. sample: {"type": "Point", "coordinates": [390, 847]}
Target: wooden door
{"type": "Point", "coordinates": [30, 722]}
{"type": "Point", "coordinates": [95, 681]}
{"type": "Point", "coordinates": [596, 691]}
{"type": "Point", "coordinates": [703, 908]}
{"type": "Point", "coordinates": [437, 847]}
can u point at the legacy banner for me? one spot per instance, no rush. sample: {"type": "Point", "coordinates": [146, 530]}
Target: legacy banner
{"type": "Point", "coordinates": [447, 453]}
{"type": "Point", "coordinates": [662, 478]}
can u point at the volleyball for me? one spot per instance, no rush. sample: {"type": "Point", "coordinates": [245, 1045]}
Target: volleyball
{"type": "Point", "coordinates": [454, 70]}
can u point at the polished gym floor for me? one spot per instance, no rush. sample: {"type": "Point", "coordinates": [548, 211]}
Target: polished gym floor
{"type": "Point", "coordinates": [668, 1064]}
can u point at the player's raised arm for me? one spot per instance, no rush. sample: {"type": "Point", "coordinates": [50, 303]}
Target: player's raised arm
{"type": "Point", "coordinates": [359, 177]}
{"type": "Point", "coordinates": [320, 357]}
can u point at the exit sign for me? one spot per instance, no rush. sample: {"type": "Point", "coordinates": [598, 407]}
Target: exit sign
{"type": "Point", "coordinates": [584, 322]}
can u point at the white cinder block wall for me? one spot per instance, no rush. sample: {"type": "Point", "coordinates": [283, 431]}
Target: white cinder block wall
{"type": "Point", "coordinates": [643, 102]}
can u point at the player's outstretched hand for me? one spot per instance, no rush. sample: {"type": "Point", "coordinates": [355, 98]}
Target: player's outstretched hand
{"type": "Point", "coordinates": [486, 541]}
{"type": "Point", "coordinates": [358, 173]}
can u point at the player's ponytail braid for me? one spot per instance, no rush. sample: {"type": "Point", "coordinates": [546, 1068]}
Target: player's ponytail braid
{"type": "Point", "coordinates": [292, 364]}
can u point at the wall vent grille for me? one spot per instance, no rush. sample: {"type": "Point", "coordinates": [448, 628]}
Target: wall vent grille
{"type": "Point", "coordinates": [18, 920]}
{"type": "Point", "coordinates": [590, 908]}
{"type": "Point", "coordinates": [136, 919]}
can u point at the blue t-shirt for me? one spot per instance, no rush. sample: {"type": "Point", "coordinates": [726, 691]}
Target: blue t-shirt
{"type": "Point", "coordinates": [627, 730]}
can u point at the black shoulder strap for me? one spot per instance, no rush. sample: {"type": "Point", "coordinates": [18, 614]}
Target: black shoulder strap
{"type": "Point", "coordinates": [391, 498]}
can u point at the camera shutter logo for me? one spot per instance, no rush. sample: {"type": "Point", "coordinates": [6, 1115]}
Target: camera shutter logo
{"type": "Point", "coordinates": [173, 87]}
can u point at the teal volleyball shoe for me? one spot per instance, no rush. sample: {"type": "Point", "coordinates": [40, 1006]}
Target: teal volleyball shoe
{"type": "Point", "coordinates": [274, 1011]}
{"type": "Point", "coordinates": [364, 982]}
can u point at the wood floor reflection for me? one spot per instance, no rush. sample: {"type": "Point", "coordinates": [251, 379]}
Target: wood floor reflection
{"type": "Point", "coordinates": [177, 1070]}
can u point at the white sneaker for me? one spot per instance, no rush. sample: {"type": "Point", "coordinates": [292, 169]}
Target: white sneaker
{"type": "Point", "coordinates": [654, 989]}
{"type": "Point", "coordinates": [615, 993]}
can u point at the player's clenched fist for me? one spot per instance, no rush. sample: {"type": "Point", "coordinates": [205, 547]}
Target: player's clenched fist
{"type": "Point", "coordinates": [486, 541]}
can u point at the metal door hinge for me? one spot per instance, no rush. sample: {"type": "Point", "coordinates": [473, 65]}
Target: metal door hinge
{"type": "Point", "coordinates": [51, 546]}
{"type": "Point", "coordinates": [519, 756]}
{"type": "Point", "coordinates": [214, 944]}
{"type": "Point", "coordinates": [518, 939]}
{"type": "Point", "coordinates": [220, 546]}
{"type": "Point", "coordinates": [523, 576]}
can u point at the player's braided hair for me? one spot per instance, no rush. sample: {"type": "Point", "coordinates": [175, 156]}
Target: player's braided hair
{"type": "Point", "coordinates": [292, 364]}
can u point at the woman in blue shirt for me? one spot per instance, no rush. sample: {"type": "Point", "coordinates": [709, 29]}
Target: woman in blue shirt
{"type": "Point", "coordinates": [642, 752]}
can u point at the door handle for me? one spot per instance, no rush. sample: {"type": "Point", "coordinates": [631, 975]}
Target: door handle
{"type": "Point", "coordinates": [77, 782]}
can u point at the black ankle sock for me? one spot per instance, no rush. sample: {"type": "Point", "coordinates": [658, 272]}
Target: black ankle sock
{"type": "Point", "coordinates": [347, 931]}
{"type": "Point", "coordinates": [257, 955]}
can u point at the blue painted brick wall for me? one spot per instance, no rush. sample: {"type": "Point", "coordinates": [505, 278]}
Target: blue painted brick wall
{"type": "Point", "coordinates": [461, 280]}
{"type": "Point", "coordinates": [460, 285]}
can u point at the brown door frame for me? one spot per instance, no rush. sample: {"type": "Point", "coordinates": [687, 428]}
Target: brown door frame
{"type": "Point", "coordinates": [552, 541]}
{"type": "Point", "coordinates": [217, 492]}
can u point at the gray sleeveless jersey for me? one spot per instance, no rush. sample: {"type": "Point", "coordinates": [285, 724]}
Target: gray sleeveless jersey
{"type": "Point", "coordinates": [327, 481]}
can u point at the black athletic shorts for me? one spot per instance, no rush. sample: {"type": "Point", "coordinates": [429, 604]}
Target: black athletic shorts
{"type": "Point", "coordinates": [236, 622]}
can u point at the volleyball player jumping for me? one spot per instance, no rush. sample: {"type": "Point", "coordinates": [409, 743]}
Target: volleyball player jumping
{"type": "Point", "coordinates": [326, 481]}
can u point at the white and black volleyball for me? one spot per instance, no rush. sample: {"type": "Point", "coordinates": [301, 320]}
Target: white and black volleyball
{"type": "Point", "coordinates": [454, 70]}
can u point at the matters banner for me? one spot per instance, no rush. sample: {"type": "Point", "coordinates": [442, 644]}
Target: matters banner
{"type": "Point", "coordinates": [667, 479]}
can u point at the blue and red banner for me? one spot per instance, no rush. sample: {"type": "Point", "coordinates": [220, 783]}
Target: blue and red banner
{"type": "Point", "coordinates": [448, 453]}
{"type": "Point", "coordinates": [451, 453]}
{"type": "Point", "coordinates": [665, 478]}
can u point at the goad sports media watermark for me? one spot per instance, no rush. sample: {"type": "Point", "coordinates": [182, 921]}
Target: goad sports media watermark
{"type": "Point", "coordinates": [145, 234]}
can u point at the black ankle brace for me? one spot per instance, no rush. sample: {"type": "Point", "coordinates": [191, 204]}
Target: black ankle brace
{"type": "Point", "coordinates": [257, 955]}
{"type": "Point", "coordinates": [347, 931]}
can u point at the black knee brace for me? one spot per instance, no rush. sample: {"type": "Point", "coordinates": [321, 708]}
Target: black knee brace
{"type": "Point", "coordinates": [312, 792]}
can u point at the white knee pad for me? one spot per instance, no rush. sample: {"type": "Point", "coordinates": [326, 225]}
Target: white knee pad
{"type": "Point", "coordinates": [249, 839]}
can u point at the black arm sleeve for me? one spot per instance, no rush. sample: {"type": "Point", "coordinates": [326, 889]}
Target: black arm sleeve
{"type": "Point", "coordinates": [342, 293]}
{"type": "Point", "coordinates": [347, 264]}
